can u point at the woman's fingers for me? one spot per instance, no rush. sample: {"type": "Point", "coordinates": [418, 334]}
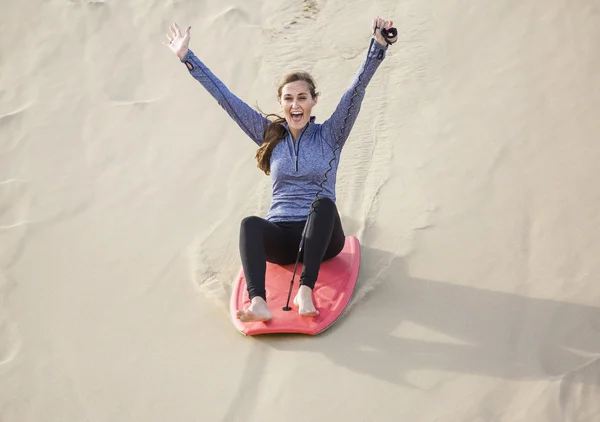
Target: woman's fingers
{"type": "Point", "coordinates": [174, 32]}
{"type": "Point", "coordinates": [378, 25]}
{"type": "Point", "coordinates": [382, 23]}
{"type": "Point", "coordinates": [177, 30]}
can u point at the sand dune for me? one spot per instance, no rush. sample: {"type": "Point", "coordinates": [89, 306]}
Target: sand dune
{"type": "Point", "coordinates": [470, 179]}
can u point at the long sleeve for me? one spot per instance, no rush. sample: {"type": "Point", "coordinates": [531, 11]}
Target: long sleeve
{"type": "Point", "coordinates": [249, 120]}
{"type": "Point", "coordinates": [339, 125]}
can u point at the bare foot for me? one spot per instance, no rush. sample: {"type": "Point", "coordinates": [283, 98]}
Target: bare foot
{"type": "Point", "coordinates": [304, 302]}
{"type": "Point", "coordinates": [257, 311]}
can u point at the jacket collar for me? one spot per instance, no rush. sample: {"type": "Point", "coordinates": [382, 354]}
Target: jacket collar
{"type": "Point", "coordinates": [307, 129]}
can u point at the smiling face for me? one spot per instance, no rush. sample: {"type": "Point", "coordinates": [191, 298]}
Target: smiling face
{"type": "Point", "coordinates": [297, 98]}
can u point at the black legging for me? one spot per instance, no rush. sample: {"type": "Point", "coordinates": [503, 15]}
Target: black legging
{"type": "Point", "coordinates": [278, 242]}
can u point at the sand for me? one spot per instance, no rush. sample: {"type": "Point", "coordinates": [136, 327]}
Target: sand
{"type": "Point", "coordinates": [470, 178]}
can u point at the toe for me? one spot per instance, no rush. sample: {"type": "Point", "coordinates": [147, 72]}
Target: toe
{"type": "Point", "coordinates": [247, 316]}
{"type": "Point", "coordinates": [309, 313]}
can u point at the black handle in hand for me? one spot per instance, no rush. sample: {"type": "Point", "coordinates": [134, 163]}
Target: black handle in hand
{"type": "Point", "coordinates": [390, 35]}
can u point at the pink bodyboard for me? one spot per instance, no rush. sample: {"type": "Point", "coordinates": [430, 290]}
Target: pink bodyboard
{"type": "Point", "coordinates": [332, 293]}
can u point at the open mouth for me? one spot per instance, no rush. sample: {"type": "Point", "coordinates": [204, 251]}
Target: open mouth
{"type": "Point", "coordinates": [297, 116]}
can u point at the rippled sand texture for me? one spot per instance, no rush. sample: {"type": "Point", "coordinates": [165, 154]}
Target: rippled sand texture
{"type": "Point", "coordinates": [470, 178]}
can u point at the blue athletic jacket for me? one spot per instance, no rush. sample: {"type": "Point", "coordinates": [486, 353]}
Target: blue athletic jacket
{"type": "Point", "coordinates": [297, 169]}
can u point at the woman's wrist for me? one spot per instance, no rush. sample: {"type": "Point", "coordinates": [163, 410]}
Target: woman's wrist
{"type": "Point", "coordinates": [182, 54]}
{"type": "Point", "coordinates": [383, 44]}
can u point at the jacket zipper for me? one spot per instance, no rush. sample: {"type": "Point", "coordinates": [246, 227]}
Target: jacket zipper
{"type": "Point", "coordinates": [296, 153]}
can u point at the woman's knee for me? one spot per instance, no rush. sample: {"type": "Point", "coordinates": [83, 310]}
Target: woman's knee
{"type": "Point", "coordinates": [250, 224]}
{"type": "Point", "coordinates": [324, 204]}
{"type": "Point", "coordinates": [335, 247]}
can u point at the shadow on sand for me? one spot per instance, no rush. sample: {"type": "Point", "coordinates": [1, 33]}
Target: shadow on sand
{"type": "Point", "coordinates": [493, 334]}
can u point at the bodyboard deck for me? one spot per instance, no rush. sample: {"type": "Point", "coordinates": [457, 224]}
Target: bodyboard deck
{"type": "Point", "coordinates": [331, 295]}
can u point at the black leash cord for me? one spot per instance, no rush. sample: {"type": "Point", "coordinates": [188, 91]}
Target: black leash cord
{"type": "Point", "coordinates": [391, 36]}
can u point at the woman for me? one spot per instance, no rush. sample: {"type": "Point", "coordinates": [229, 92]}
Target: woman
{"type": "Point", "coordinates": [297, 153]}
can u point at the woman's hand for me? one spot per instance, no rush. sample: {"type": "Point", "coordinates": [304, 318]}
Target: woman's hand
{"type": "Point", "coordinates": [377, 24]}
{"type": "Point", "coordinates": [178, 43]}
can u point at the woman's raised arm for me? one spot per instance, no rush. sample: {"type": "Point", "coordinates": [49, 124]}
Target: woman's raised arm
{"type": "Point", "coordinates": [249, 120]}
{"type": "Point", "coordinates": [338, 126]}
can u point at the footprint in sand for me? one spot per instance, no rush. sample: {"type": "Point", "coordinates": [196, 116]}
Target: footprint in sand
{"type": "Point", "coordinates": [310, 8]}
